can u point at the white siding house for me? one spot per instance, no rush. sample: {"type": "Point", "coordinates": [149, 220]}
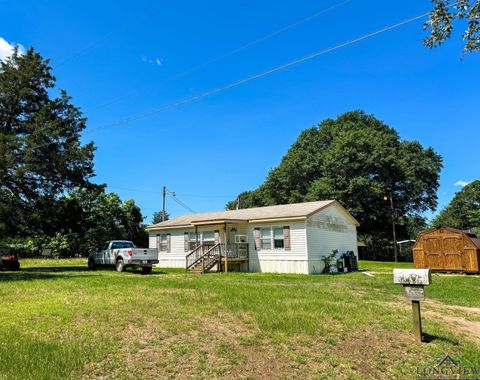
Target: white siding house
{"type": "Point", "coordinates": [285, 238]}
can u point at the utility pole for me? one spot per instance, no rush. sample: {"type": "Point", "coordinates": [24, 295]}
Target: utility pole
{"type": "Point", "coordinates": [164, 193]}
{"type": "Point", "coordinates": [394, 232]}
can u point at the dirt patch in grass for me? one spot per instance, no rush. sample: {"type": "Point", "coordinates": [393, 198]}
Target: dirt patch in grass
{"type": "Point", "coordinates": [375, 353]}
{"type": "Point", "coordinates": [470, 329]}
{"type": "Point", "coordinates": [474, 311]}
{"type": "Point", "coordinates": [458, 318]}
{"type": "Point", "coordinates": [220, 346]}
{"type": "Point", "coordinates": [229, 346]}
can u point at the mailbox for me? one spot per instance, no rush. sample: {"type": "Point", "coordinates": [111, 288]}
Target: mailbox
{"type": "Point", "coordinates": [412, 276]}
{"type": "Point", "coordinates": [413, 281]}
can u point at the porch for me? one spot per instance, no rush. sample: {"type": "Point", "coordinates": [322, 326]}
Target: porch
{"type": "Point", "coordinates": [217, 246]}
{"type": "Point", "coordinates": [219, 257]}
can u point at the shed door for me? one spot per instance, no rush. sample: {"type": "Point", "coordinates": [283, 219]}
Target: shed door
{"type": "Point", "coordinates": [434, 257]}
{"type": "Point", "coordinates": [444, 253]}
{"type": "Point", "coordinates": [453, 251]}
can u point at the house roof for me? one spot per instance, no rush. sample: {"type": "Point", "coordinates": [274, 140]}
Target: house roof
{"type": "Point", "coordinates": [268, 213]}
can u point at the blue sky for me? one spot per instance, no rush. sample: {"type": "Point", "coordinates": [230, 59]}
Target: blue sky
{"type": "Point", "coordinates": [210, 150]}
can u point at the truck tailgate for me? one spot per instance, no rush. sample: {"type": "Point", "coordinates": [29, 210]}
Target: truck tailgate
{"type": "Point", "coordinates": [144, 256]}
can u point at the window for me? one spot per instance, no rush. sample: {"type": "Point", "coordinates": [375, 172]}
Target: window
{"type": "Point", "coordinates": [265, 238]}
{"type": "Point", "coordinates": [278, 241]}
{"type": "Point", "coordinates": [193, 240]}
{"type": "Point", "coordinates": [122, 244]}
{"type": "Point", "coordinates": [272, 238]}
{"type": "Point", "coordinates": [208, 237]}
{"type": "Point", "coordinates": [163, 243]}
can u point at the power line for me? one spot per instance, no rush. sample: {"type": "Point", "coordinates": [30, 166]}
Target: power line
{"type": "Point", "coordinates": [195, 68]}
{"type": "Point", "coordinates": [256, 76]}
{"type": "Point", "coordinates": [174, 197]}
{"type": "Point", "coordinates": [107, 36]}
{"type": "Point", "coordinates": [152, 192]}
{"type": "Point", "coordinates": [230, 53]}
{"type": "Point", "coordinates": [249, 79]}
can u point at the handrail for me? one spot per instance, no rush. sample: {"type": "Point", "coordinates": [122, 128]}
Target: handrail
{"type": "Point", "coordinates": [198, 254]}
{"type": "Point", "coordinates": [193, 256]}
{"type": "Point", "coordinates": [212, 255]}
{"type": "Point", "coordinates": [208, 254]}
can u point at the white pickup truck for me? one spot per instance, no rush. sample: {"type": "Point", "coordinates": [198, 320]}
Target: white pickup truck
{"type": "Point", "coordinates": [122, 254]}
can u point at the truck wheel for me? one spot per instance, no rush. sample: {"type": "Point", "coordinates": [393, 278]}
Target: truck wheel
{"type": "Point", "coordinates": [16, 266]}
{"type": "Point", "coordinates": [91, 264]}
{"type": "Point", "coordinates": [146, 270]}
{"type": "Point", "coordinates": [120, 265]}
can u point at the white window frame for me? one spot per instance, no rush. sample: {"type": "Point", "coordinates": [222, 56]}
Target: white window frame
{"type": "Point", "coordinates": [212, 240]}
{"type": "Point", "coordinates": [271, 238]}
{"type": "Point", "coordinates": [282, 239]}
{"type": "Point", "coordinates": [192, 242]}
{"type": "Point", "coordinates": [262, 239]}
{"type": "Point", "coordinates": [163, 243]}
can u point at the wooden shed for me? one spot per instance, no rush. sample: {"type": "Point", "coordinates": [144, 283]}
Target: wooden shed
{"type": "Point", "coordinates": [447, 250]}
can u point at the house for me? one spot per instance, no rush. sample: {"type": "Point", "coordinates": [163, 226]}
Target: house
{"type": "Point", "coordinates": [289, 238]}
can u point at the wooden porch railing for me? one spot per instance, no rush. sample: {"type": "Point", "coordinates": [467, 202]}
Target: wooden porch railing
{"type": "Point", "coordinates": [206, 253]}
{"type": "Point", "coordinates": [236, 251]}
{"type": "Point", "coordinates": [197, 253]}
{"type": "Point", "coordinates": [211, 257]}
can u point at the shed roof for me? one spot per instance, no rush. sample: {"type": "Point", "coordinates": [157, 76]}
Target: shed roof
{"type": "Point", "coordinates": [473, 238]}
{"type": "Point", "coordinates": [268, 213]}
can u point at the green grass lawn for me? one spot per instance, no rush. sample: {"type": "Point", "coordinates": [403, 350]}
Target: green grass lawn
{"type": "Point", "coordinates": [61, 321]}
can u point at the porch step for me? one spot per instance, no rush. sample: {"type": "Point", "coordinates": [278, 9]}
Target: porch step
{"type": "Point", "coordinates": [199, 269]}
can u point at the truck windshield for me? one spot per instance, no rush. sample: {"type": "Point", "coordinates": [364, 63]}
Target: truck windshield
{"type": "Point", "coordinates": [122, 244]}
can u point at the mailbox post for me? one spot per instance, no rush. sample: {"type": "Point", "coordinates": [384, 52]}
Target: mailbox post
{"type": "Point", "coordinates": [413, 281]}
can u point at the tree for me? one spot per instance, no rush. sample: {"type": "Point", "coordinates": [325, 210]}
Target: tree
{"type": "Point", "coordinates": [105, 217]}
{"type": "Point", "coordinates": [442, 18]}
{"type": "Point", "coordinates": [86, 218]}
{"type": "Point", "coordinates": [463, 212]}
{"type": "Point", "coordinates": [157, 217]}
{"type": "Point", "coordinates": [357, 160]}
{"type": "Point", "coordinates": [41, 156]}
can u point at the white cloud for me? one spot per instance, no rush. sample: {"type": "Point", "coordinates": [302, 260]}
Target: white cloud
{"type": "Point", "coordinates": [6, 49]}
{"type": "Point", "coordinates": [461, 183]}
{"type": "Point", "coordinates": [156, 61]}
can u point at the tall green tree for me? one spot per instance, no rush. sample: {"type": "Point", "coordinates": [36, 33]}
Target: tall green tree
{"type": "Point", "coordinates": [105, 217]}
{"type": "Point", "coordinates": [84, 219]}
{"type": "Point", "coordinates": [442, 20]}
{"type": "Point", "coordinates": [463, 212]}
{"type": "Point", "coordinates": [158, 217]}
{"type": "Point", "coordinates": [41, 156]}
{"type": "Point", "coordinates": [357, 160]}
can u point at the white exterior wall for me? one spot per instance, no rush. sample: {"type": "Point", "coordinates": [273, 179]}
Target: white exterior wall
{"type": "Point", "coordinates": [310, 240]}
{"type": "Point", "coordinates": [176, 258]}
{"type": "Point", "coordinates": [327, 230]}
{"type": "Point", "coordinates": [280, 260]}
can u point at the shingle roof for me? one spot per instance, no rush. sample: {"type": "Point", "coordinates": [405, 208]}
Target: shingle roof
{"type": "Point", "coordinates": [281, 212]}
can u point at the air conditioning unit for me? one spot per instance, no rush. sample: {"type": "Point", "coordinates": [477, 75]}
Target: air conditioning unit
{"type": "Point", "coordinates": [241, 239]}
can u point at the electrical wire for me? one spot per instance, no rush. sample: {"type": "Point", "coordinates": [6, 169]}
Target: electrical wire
{"type": "Point", "coordinates": [107, 36]}
{"type": "Point", "coordinates": [246, 80]}
{"type": "Point", "coordinates": [174, 197]}
{"type": "Point", "coordinates": [256, 76]}
{"type": "Point", "coordinates": [159, 193]}
{"type": "Point", "coordinates": [227, 54]}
